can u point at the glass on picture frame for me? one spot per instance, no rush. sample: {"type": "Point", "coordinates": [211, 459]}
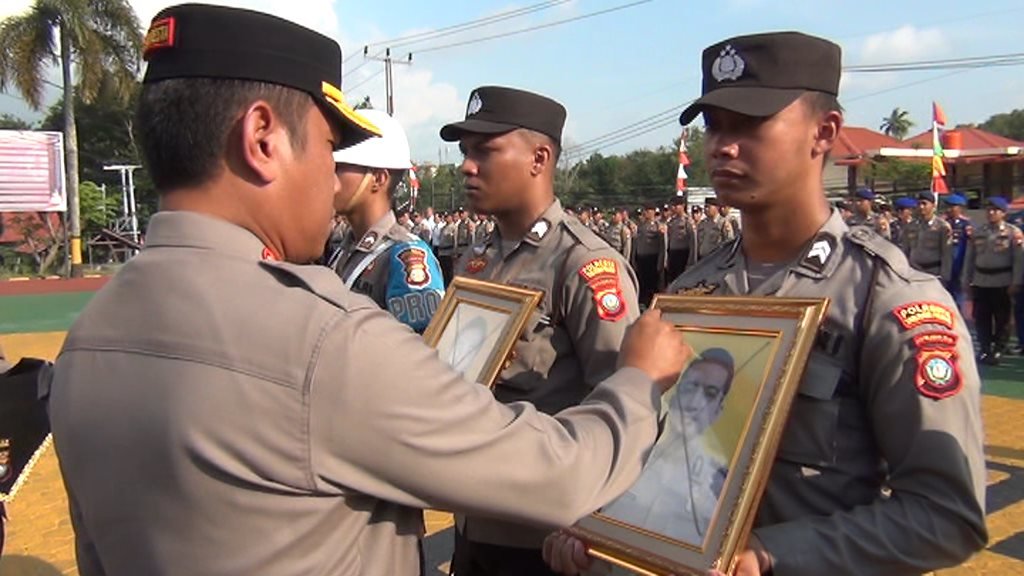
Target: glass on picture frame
{"type": "Point", "coordinates": [477, 324]}
{"type": "Point", "coordinates": [693, 505]}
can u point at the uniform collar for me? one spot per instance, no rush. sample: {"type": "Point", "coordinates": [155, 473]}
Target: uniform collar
{"type": "Point", "coordinates": [375, 234]}
{"type": "Point", "coordinates": [539, 230]}
{"type": "Point", "coordinates": [819, 258]}
{"type": "Point", "coordinates": [183, 229]}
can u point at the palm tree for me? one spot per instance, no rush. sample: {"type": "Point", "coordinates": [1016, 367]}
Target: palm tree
{"type": "Point", "coordinates": [97, 40]}
{"type": "Point", "coordinates": [897, 124]}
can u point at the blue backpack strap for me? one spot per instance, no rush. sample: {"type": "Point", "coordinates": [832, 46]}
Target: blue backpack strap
{"type": "Point", "coordinates": [415, 286]}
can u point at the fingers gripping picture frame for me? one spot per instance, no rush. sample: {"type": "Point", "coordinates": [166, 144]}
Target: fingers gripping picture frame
{"type": "Point", "coordinates": [477, 324]}
{"type": "Point", "coordinates": [693, 507]}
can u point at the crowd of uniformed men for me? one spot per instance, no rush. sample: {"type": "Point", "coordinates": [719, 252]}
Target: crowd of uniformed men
{"type": "Point", "coordinates": [224, 407]}
{"type": "Point", "coordinates": [660, 242]}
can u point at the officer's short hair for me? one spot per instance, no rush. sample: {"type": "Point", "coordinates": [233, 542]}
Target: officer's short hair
{"type": "Point", "coordinates": [183, 124]}
{"type": "Point", "coordinates": [822, 102]}
{"type": "Point", "coordinates": [534, 136]}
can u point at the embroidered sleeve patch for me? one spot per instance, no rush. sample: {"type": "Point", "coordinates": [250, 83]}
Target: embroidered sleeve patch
{"type": "Point", "coordinates": [414, 261]}
{"type": "Point", "coordinates": [917, 313]}
{"type": "Point", "coordinates": [602, 276]}
{"type": "Point", "coordinates": [938, 371]}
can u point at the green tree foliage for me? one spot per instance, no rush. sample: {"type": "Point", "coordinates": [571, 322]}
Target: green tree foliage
{"type": "Point", "coordinates": [93, 41]}
{"type": "Point", "coordinates": [12, 122]}
{"type": "Point", "coordinates": [899, 176]}
{"type": "Point", "coordinates": [1008, 124]}
{"type": "Point", "coordinates": [897, 124]}
{"type": "Point", "coordinates": [99, 209]}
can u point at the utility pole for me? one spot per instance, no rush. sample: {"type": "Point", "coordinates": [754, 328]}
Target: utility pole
{"type": "Point", "coordinates": [389, 81]}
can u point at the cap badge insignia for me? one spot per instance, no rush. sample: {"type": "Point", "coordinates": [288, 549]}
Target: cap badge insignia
{"type": "Point", "coordinates": [160, 35]}
{"type": "Point", "coordinates": [728, 65]}
{"type": "Point", "coordinates": [475, 104]}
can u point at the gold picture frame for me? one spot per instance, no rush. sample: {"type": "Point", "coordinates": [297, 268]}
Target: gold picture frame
{"type": "Point", "coordinates": [477, 325]}
{"type": "Point", "coordinates": [693, 507]}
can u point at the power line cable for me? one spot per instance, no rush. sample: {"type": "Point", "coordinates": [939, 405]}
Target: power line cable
{"type": "Point", "coordinates": [533, 28]}
{"type": "Point", "coordinates": [457, 28]}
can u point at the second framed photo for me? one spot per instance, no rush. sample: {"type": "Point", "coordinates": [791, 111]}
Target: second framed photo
{"type": "Point", "coordinates": [477, 325]}
{"type": "Point", "coordinates": [694, 504]}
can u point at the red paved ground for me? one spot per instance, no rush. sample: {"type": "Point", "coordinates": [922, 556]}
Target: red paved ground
{"type": "Point", "coordinates": [38, 286]}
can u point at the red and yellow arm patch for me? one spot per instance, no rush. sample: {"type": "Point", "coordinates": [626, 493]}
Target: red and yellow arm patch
{"type": "Point", "coordinates": [917, 313]}
{"type": "Point", "coordinates": [602, 276]}
{"type": "Point", "coordinates": [938, 367]}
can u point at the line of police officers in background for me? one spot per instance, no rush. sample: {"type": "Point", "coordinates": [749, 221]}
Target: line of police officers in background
{"type": "Point", "coordinates": [983, 261]}
{"type": "Point", "coordinates": [660, 242]}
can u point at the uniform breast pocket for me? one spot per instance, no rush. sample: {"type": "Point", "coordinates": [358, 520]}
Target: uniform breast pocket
{"type": "Point", "coordinates": [533, 354]}
{"type": "Point", "coordinates": [811, 430]}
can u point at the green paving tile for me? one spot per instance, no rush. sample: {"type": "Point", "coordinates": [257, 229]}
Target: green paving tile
{"type": "Point", "coordinates": [41, 312]}
{"type": "Point", "coordinates": [1006, 380]}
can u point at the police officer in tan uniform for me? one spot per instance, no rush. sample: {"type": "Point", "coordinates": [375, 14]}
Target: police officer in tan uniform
{"type": "Point", "coordinates": [649, 253]}
{"type": "Point", "coordinates": [682, 237]}
{"type": "Point", "coordinates": [993, 273]}
{"type": "Point", "coordinates": [511, 140]}
{"type": "Point", "coordinates": [903, 217]}
{"type": "Point", "coordinates": [618, 235]}
{"type": "Point", "coordinates": [254, 416]}
{"type": "Point", "coordinates": [862, 203]}
{"type": "Point", "coordinates": [929, 243]}
{"type": "Point", "coordinates": [464, 230]}
{"type": "Point", "coordinates": [380, 257]}
{"type": "Point", "coordinates": [881, 468]}
{"type": "Point", "coordinates": [713, 231]}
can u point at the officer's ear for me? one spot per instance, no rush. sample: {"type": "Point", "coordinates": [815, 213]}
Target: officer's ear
{"type": "Point", "coordinates": [380, 179]}
{"type": "Point", "coordinates": [827, 132]}
{"type": "Point", "coordinates": [262, 137]}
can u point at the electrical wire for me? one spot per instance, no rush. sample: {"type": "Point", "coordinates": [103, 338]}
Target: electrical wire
{"type": "Point", "coordinates": [533, 28]}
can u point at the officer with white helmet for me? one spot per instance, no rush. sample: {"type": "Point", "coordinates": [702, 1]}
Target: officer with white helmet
{"type": "Point", "coordinates": [379, 257]}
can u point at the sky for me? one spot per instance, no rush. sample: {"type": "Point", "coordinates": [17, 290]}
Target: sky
{"type": "Point", "coordinates": [640, 58]}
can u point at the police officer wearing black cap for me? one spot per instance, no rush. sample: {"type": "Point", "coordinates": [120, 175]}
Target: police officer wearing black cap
{"type": "Point", "coordinates": [862, 201]}
{"type": "Point", "coordinates": [222, 408]}
{"type": "Point", "coordinates": [649, 253]}
{"type": "Point", "coordinates": [682, 238]}
{"type": "Point", "coordinates": [881, 466]}
{"type": "Point", "coordinates": [511, 141]}
{"type": "Point", "coordinates": [929, 243]}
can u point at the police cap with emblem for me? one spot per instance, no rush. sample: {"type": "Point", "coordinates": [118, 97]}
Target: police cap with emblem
{"type": "Point", "coordinates": [760, 74]}
{"type": "Point", "coordinates": [864, 194]}
{"type": "Point", "coordinates": [955, 200]}
{"type": "Point", "coordinates": [497, 110]}
{"type": "Point", "coordinates": [203, 41]}
{"type": "Point", "coordinates": [926, 196]}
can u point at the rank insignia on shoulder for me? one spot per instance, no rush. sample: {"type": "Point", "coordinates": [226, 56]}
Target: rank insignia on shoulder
{"type": "Point", "coordinates": [915, 314]}
{"type": "Point", "coordinates": [819, 253]}
{"type": "Point", "coordinates": [476, 265]}
{"type": "Point", "coordinates": [602, 276]}
{"type": "Point", "coordinates": [539, 230]}
{"type": "Point", "coordinates": [368, 241]}
{"type": "Point", "coordinates": [701, 289]}
{"type": "Point", "coordinates": [414, 260]}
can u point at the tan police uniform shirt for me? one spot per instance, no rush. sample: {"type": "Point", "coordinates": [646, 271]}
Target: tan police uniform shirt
{"type": "Point", "coordinates": [682, 235]}
{"type": "Point", "coordinates": [446, 245]}
{"type": "Point", "coordinates": [930, 246]}
{"type": "Point", "coordinates": [712, 233]}
{"type": "Point", "coordinates": [995, 257]}
{"type": "Point", "coordinates": [571, 342]}
{"type": "Point", "coordinates": [873, 221]}
{"type": "Point", "coordinates": [219, 415]}
{"type": "Point", "coordinates": [620, 238]}
{"type": "Point", "coordinates": [890, 400]}
{"type": "Point", "coordinates": [650, 239]}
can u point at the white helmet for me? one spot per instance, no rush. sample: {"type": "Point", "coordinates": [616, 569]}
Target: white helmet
{"type": "Point", "coordinates": [390, 151]}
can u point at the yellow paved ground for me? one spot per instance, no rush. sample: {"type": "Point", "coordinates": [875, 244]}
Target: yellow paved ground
{"type": "Point", "coordinates": [40, 540]}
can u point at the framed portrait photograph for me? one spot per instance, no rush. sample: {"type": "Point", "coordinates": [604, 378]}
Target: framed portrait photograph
{"type": "Point", "coordinates": [477, 324]}
{"type": "Point", "coordinates": [694, 504]}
